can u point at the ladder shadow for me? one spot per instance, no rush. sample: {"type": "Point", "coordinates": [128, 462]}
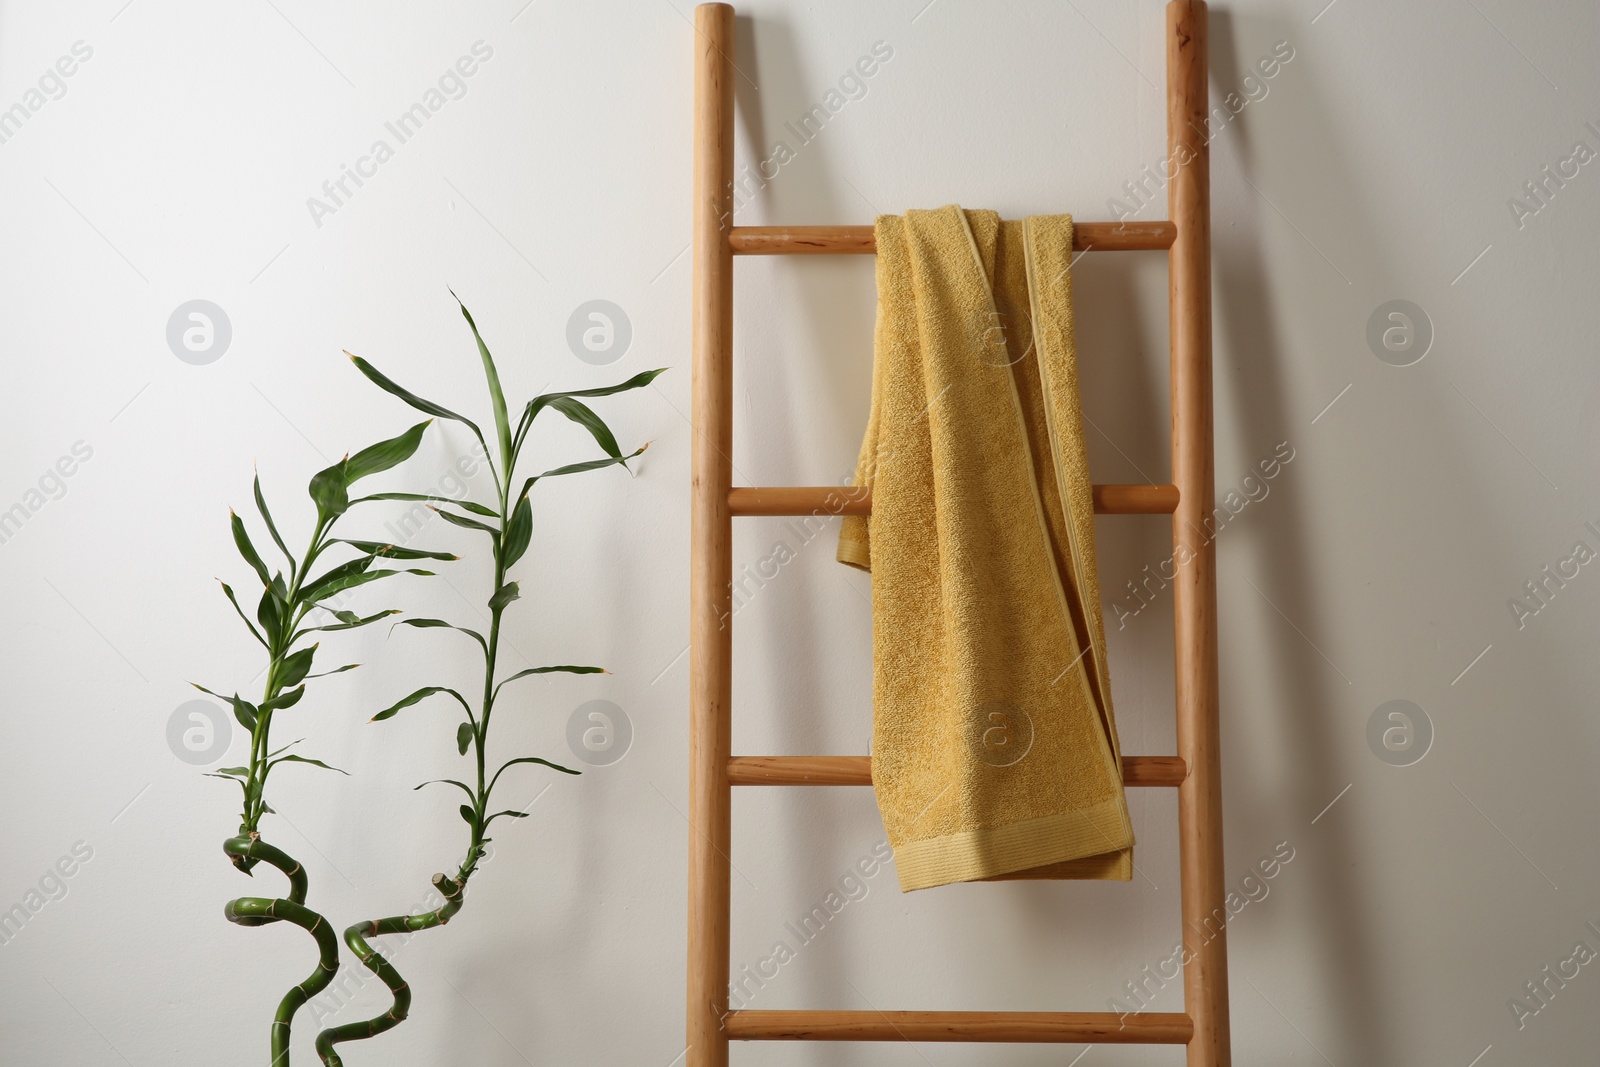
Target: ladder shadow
{"type": "Point", "coordinates": [793, 617]}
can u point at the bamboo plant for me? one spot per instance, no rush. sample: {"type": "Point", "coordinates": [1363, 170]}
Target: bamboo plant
{"type": "Point", "coordinates": [284, 623]}
{"type": "Point", "coordinates": [506, 523]}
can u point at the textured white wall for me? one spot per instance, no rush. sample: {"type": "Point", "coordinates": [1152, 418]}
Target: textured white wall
{"type": "Point", "coordinates": [1379, 163]}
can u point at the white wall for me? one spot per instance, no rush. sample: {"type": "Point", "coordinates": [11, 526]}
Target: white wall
{"type": "Point", "coordinates": [1377, 166]}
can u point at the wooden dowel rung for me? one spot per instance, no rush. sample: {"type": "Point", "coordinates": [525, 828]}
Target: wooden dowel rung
{"type": "Point", "coordinates": [859, 240]}
{"type": "Point", "coordinates": [1097, 1027]}
{"type": "Point", "coordinates": [857, 770]}
{"type": "Point", "coordinates": [828, 500]}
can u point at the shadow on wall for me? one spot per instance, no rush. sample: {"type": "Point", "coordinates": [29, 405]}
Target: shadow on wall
{"type": "Point", "coordinates": [797, 369]}
{"type": "Point", "coordinates": [1246, 328]}
{"type": "Point", "coordinates": [1325, 718]}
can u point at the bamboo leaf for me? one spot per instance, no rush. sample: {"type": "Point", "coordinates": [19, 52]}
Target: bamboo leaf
{"type": "Point", "coordinates": [564, 669]}
{"type": "Point", "coordinates": [446, 781]}
{"type": "Point", "coordinates": [243, 710]}
{"type": "Point", "coordinates": [384, 455]}
{"type": "Point", "coordinates": [584, 416]}
{"type": "Point", "coordinates": [503, 596]}
{"type": "Point", "coordinates": [463, 521]}
{"type": "Point", "coordinates": [592, 464]}
{"type": "Point", "coordinates": [468, 814]}
{"type": "Point", "coordinates": [243, 785]}
{"type": "Point", "coordinates": [467, 505]}
{"type": "Point", "coordinates": [378, 548]}
{"type": "Point", "coordinates": [420, 695]}
{"type": "Point", "coordinates": [539, 403]}
{"type": "Point", "coordinates": [502, 424]}
{"type": "Point", "coordinates": [519, 531]}
{"type": "Point", "coordinates": [313, 591]}
{"type": "Point", "coordinates": [241, 539]}
{"type": "Point", "coordinates": [348, 620]}
{"type": "Point", "coordinates": [353, 580]}
{"type": "Point", "coordinates": [513, 814]}
{"type": "Point", "coordinates": [235, 602]}
{"type": "Point", "coordinates": [429, 624]}
{"type": "Point", "coordinates": [529, 759]}
{"type": "Point", "coordinates": [268, 613]}
{"type": "Point", "coordinates": [336, 670]}
{"type": "Point", "coordinates": [464, 737]}
{"type": "Point", "coordinates": [296, 666]}
{"type": "Point", "coordinates": [286, 699]}
{"type": "Point", "coordinates": [305, 759]}
{"type": "Point", "coordinates": [383, 382]}
{"type": "Point", "coordinates": [272, 527]}
{"type": "Point", "coordinates": [330, 491]}
{"type": "Point", "coordinates": [230, 772]}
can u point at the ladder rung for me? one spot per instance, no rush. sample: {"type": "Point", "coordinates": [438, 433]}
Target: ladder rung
{"type": "Point", "coordinates": [1098, 1027]}
{"type": "Point", "coordinates": [859, 240]}
{"type": "Point", "coordinates": [829, 500]}
{"type": "Point", "coordinates": [857, 770]}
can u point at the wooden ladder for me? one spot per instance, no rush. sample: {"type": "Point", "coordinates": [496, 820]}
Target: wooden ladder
{"type": "Point", "coordinates": [713, 769]}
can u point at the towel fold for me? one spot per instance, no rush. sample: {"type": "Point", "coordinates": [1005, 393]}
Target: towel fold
{"type": "Point", "coordinates": [995, 750]}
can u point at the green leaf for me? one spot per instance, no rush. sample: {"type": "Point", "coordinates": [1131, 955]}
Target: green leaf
{"type": "Point", "coordinates": [378, 378]}
{"type": "Point", "coordinates": [230, 772]}
{"type": "Point", "coordinates": [539, 403]}
{"type": "Point", "coordinates": [385, 454]}
{"type": "Point", "coordinates": [503, 596]}
{"type": "Point", "coordinates": [421, 694]}
{"type": "Point", "coordinates": [336, 670]}
{"type": "Point", "coordinates": [430, 624]}
{"type": "Point", "coordinates": [448, 781]}
{"type": "Point", "coordinates": [353, 580]}
{"type": "Point", "coordinates": [245, 713]}
{"type": "Point", "coordinates": [502, 423]}
{"type": "Point", "coordinates": [529, 759]}
{"type": "Point", "coordinates": [313, 592]}
{"type": "Point", "coordinates": [243, 785]}
{"type": "Point", "coordinates": [466, 505]}
{"type": "Point", "coordinates": [330, 490]}
{"type": "Point", "coordinates": [378, 548]}
{"type": "Point", "coordinates": [463, 521]}
{"type": "Point", "coordinates": [468, 814]}
{"type": "Point", "coordinates": [286, 699]}
{"type": "Point", "coordinates": [272, 527]}
{"type": "Point", "coordinates": [296, 666]}
{"type": "Point", "coordinates": [513, 814]}
{"type": "Point", "coordinates": [564, 669]}
{"type": "Point", "coordinates": [519, 531]}
{"type": "Point", "coordinates": [305, 759]}
{"type": "Point", "coordinates": [348, 620]}
{"type": "Point", "coordinates": [268, 612]}
{"type": "Point", "coordinates": [584, 416]}
{"type": "Point", "coordinates": [235, 602]}
{"type": "Point", "coordinates": [464, 734]}
{"type": "Point", "coordinates": [592, 464]}
{"type": "Point", "coordinates": [243, 710]}
{"type": "Point", "coordinates": [541, 762]}
{"type": "Point", "coordinates": [241, 539]}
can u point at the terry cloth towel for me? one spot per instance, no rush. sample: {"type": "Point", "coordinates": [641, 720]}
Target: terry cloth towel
{"type": "Point", "coordinates": [994, 749]}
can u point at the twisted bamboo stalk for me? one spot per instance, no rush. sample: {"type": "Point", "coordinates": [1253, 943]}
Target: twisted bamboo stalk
{"type": "Point", "coordinates": [246, 851]}
{"type": "Point", "coordinates": [453, 890]}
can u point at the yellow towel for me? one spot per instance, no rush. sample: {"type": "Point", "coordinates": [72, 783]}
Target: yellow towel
{"type": "Point", "coordinates": [994, 749]}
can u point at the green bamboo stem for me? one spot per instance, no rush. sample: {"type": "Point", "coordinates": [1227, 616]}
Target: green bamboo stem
{"type": "Point", "coordinates": [246, 851]}
{"type": "Point", "coordinates": [454, 893]}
